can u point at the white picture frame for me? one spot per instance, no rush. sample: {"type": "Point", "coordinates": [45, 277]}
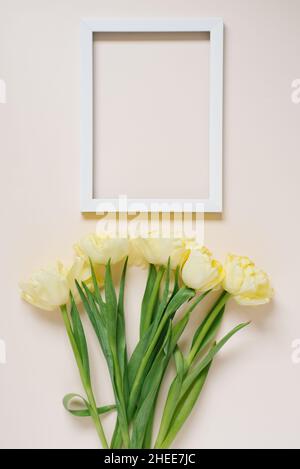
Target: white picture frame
{"type": "Point", "coordinates": [212, 204]}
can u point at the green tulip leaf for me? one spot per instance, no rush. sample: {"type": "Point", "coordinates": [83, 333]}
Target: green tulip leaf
{"type": "Point", "coordinates": [80, 339]}
{"type": "Point", "coordinates": [85, 410]}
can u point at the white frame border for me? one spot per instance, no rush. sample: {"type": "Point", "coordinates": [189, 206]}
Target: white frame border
{"type": "Point", "coordinates": [213, 204]}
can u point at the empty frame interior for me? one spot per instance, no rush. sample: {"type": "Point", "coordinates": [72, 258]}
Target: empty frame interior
{"type": "Point", "coordinates": [151, 115]}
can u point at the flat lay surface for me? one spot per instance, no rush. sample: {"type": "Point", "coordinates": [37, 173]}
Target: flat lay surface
{"type": "Point", "coordinates": [252, 398]}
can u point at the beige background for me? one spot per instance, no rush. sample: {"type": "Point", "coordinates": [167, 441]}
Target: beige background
{"type": "Point", "coordinates": [145, 86]}
{"type": "Point", "coordinates": [252, 397]}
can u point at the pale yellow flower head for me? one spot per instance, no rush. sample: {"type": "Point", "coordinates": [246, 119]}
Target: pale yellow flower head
{"type": "Point", "coordinates": [48, 288]}
{"type": "Point", "coordinates": [136, 256]}
{"type": "Point", "coordinates": [245, 282]}
{"type": "Point", "coordinates": [101, 248]}
{"type": "Point", "coordinates": [157, 251]}
{"type": "Point", "coordinates": [200, 271]}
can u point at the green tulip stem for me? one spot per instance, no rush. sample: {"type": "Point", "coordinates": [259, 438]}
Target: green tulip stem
{"type": "Point", "coordinates": [120, 389]}
{"type": "Point", "coordinates": [86, 384]}
{"type": "Point", "coordinates": [194, 351]}
{"type": "Point", "coordinates": [145, 360]}
{"type": "Point", "coordinates": [148, 354]}
{"type": "Point", "coordinates": [143, 364]}
{"type": "Point", "coordinates": [153, 298]}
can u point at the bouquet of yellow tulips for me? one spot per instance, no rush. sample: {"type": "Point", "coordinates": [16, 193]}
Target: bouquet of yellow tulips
{"type": "Point", "coordinates": [181, 273]}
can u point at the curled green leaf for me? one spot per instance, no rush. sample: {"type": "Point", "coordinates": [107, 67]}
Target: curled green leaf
{"type": "Point", "coordinates": [70, 399]}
